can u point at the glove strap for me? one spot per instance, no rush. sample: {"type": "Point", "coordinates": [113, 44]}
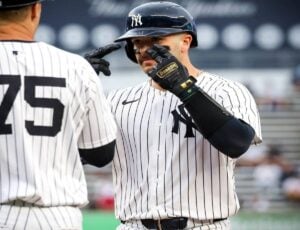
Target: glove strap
{"type": "Point", "coordinates": [187, 88]}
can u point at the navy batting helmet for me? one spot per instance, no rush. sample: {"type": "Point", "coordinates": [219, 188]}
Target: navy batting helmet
{"type": "Point", "coordinates": [157, 19]}
{"type": "Point", "coordinates": [9, 4]}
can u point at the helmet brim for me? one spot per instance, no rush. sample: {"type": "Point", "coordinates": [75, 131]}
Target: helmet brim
{"type": "Point", "coordinates": [148, 32]}
{"type": "Point", "coordinates": [17, 4]}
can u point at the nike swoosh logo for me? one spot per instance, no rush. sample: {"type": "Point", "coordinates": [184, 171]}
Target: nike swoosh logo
{"type": "Point", "coordinates": [128, 102]}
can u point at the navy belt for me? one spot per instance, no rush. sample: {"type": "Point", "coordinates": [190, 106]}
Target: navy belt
{"type": "Point", "coordinates": [168, 224]}
{"type": "Point", "coordinates": [165, 224]}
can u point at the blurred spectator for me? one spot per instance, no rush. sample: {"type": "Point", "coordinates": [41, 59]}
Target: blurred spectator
{"type": "Point", "coordinates": [291, 188]}
{"type": "Point", "coordinates": [254, 155]}
{"type": "Point", "coordinates": [273, 168]}
{"type": "Point", "coordinates": [271, 172]}
{"type": "Point", "coordinates": [268, 158]}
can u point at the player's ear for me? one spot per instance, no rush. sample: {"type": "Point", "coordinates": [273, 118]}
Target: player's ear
{"type": "Point", "coordinates": [34, 16]}
{"type": "Point", "coordinates": [186, 42]}
{"type": "Point", "coordinates": [36, 11]}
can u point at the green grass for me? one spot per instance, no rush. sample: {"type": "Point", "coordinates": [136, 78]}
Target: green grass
{"type": "Point", "coordinates": [266, 221]}
{"type": "Point", "coordinates": [98, 220]}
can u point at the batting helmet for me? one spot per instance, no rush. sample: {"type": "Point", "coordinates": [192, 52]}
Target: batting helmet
{"type": "Point", "coordinates": [157, 19]}
{"type": "Point", "coordinates": [10, 4]}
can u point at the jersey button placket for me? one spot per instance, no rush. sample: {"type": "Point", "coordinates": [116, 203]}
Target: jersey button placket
{"type": "Point", "coordinates": [159, 139]}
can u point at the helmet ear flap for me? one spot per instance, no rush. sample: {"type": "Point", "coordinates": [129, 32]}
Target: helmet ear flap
{"type": "Point", "coordinates": [129, 51]}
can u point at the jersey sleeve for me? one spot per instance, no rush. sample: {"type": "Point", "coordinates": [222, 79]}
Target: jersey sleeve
{"type": "Point", "coordinates": [99, 126]}
{"type": "Point", "coordinates": [237, 100]}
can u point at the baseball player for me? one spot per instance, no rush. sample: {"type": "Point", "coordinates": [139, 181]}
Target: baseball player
{"type": "Point", "coordinates": [52, 113]}
{"type": "Point", "coordinates": [180, 132]}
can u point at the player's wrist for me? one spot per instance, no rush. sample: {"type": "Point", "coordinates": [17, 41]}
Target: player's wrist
{"type": "Point", "coordinates": [186, 89]}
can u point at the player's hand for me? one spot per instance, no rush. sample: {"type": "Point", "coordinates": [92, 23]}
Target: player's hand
{"type": "Point", "coordinates": [170, 74]}
{"type": "Point", "coordinates": [95, 58]}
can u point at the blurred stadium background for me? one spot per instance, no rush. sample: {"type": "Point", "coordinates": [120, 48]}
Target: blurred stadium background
{"type": "Point", "coordinates": [256, 42]}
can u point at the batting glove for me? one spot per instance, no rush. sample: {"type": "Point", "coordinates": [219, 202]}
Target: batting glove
{"type": "Point", "coordinates": [170, 74]}
{"type": "Point", "coordinates": [95, 58]}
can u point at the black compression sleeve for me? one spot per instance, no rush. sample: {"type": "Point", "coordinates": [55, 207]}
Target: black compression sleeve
{"type": "Point", "coordinates": [98, 157]}
{"type": "Point", "coordinates": [225, 132]}
{"type": "Point", "coordinates": [233, 138]}
{"type": "Point", "coordinates": [208, 115]}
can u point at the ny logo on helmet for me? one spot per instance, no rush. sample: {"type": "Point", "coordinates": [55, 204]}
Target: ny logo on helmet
{"type": "Point", "coordinates": [136, 20]}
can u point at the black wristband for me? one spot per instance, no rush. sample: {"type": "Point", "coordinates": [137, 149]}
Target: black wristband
{"type": "Point", "coordinates": [187, 89]}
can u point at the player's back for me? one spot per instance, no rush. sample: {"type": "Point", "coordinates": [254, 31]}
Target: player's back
{"type": "Point", "coordinates": [43, 96]}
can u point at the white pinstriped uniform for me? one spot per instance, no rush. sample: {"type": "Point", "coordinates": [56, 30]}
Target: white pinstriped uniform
{"type": "Point", "coordinates": [52, 103]}
{"type": "Point", "coordinates": [165, 168]}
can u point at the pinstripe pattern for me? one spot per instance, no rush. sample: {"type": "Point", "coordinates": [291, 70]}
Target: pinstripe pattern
{"type": "Point", "coordinates": [59, 107]}
{"type": "Point", "coordinates": [31, 217]}
{"type": "Point", "coordinates": [159, 173]}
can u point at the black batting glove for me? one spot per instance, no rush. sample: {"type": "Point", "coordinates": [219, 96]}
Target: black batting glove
{"type": "Point", "coordinates": [95, 58]}
{"type": "Point", "coordinates": [170, 74]}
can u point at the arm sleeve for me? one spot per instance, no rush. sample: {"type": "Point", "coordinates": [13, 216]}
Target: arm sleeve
{"type": "Point", "coordinates": [227, 133]}
{"type": "Point", "coordinates": [237, 99]}
{"type": "Point", "coordinates": [91, 156]}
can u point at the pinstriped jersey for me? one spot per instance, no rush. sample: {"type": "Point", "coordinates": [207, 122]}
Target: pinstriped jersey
{"type": "Point", "coordinates": [51, 104]}
{"type": "Point", "coordinates": [163, 167]}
